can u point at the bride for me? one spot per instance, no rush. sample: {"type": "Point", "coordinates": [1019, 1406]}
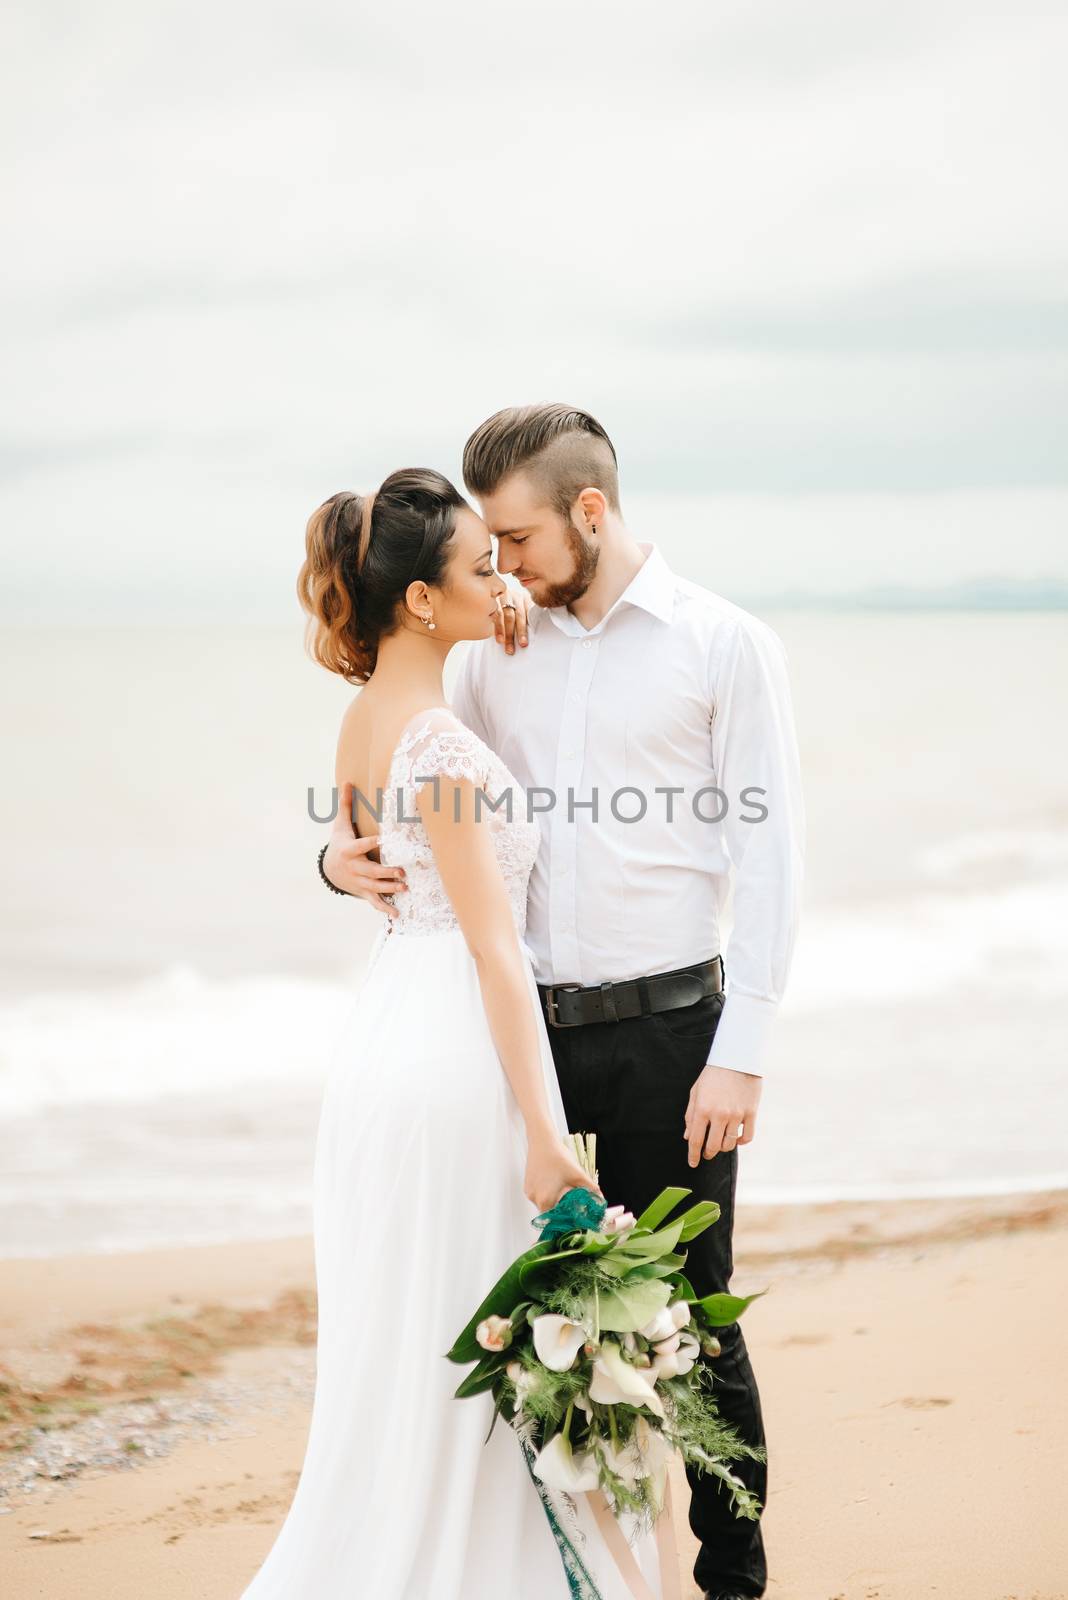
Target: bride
{"type": "Point", "coordinates": [441, 1129]}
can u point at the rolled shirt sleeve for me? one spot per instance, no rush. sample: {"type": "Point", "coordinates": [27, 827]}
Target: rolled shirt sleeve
{"type": "Point", "coordinates": [754, 747]}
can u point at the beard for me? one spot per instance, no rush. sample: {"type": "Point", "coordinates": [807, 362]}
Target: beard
{"type": "Point", "coordinates": [586, 555]}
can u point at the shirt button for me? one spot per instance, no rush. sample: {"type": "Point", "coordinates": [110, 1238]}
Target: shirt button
{"type": "Point", "coordinates": [587, 644]}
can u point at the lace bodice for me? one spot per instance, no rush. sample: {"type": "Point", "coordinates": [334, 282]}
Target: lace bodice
{"type": "Point", "coordinates": [436, 743]}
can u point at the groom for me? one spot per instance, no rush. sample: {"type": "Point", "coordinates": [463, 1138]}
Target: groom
{"type": "Point", "coordinates": [650, 721]}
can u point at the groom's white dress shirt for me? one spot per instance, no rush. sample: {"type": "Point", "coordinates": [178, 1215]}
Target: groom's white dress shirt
{"type": "Point", "coordinates": [677, 688]}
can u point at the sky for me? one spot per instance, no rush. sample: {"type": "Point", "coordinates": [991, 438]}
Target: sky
{"type": "Point", "coordinates": [805, 263]}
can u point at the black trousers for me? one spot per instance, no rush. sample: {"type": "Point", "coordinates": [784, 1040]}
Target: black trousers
{"type": "Point", "coordinates": [629, 1082]}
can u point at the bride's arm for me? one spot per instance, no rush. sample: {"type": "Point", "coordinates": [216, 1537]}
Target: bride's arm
{"type": "Point", "coordinates": [461, 841]}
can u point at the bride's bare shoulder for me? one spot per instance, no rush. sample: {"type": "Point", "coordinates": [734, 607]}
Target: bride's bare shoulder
{"type": "Point", "coordinates": [374, 727]}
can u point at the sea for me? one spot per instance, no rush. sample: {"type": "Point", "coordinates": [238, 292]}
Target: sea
{"type": "Point", "coordinates": [172, 974]}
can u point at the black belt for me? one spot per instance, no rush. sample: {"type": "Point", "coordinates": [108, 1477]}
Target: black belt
{"type": "Point", "coordinates": [569, 1005]}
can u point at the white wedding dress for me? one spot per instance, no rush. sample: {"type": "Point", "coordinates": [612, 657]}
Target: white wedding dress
{"type": "Point", "coordinates": [418, 1209]}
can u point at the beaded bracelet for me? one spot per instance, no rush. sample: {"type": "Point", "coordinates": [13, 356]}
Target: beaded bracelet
{"type": "Point", "coordinates": [322, 874]}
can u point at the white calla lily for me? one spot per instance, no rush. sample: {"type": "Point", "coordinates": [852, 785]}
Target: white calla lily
{"type": "Point", "coordinates": [667, 1347]}
{"type": "Point", "coordinates": [559, 1468]}
{"type": "Point", "coordinates": [616, 1382]}
{"type": "Point", "coordinates": [662, 1326]}
{"type": "Point", "coordinates": [523, 1380]}
{"type": "Point", "coordinates": [645, 1455]}
{"type": "Point", "coordinates": [680, 1310]}
{"type": "Point", "coordinates": [665, 1367]}
{"type": "Point", "coordinates": [676, 1363]}
{"type": "Point", "coordinates": [624, 1462]}
{"type": "Point", "coordinates": [557, 1341]}
{"type": "Point", "coordinates": [687, 1353]}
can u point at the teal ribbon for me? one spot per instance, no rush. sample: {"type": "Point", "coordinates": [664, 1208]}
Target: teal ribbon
{"type": "Point", "coordinates": [575, 1210]}
{"type": "Point", "coordinates": [580, 1584]}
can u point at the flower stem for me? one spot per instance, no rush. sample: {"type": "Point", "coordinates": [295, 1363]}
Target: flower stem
{"type": "Point", "coordinates": [584, 1148]}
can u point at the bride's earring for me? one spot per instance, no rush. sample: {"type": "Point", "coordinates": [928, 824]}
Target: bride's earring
{"type": "Point", "coordinates": [431, 624]}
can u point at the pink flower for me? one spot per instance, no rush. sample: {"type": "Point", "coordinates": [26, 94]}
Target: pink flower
{"type": "Point", "coordinates": [495, 1333]}
{"type": "Point", "coordinates": [617, 1219]}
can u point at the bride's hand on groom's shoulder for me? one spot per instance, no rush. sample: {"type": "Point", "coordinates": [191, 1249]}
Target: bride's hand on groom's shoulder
{"type": "Point", "coordinates": [347, 864]}
{"type": "Point", "coordinates": [552, 1171]}
{"type": "Point", "coordinates": [722, 1111]}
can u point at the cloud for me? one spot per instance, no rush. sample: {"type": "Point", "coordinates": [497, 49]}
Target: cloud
{"type": "Point", "coordinates": [255, 255]}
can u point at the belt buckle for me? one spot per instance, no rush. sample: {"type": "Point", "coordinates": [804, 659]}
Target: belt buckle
{"type": "Point", "coordinates": [550, 1002]}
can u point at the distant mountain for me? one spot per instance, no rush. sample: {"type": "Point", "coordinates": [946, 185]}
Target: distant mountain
{"type": "Point", "coordinates": [980, 594]}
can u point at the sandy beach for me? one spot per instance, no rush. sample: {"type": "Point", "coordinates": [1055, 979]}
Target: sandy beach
{"type": "Point", "coordinates": [156, 1404]}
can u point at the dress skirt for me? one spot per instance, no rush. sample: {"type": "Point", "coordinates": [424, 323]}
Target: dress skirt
{"type": "Point", "coordinates": [418, 1209]}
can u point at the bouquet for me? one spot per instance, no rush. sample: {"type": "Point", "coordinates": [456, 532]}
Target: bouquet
{"type": "Point", "coordinates": [590, 1343]}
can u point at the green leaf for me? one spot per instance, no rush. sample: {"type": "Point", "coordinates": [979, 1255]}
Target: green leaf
{"type": "Point", "coordinates": [631, 1305]}
{"type": "Point", "coordinates": [721, 1309]}
{"type": "Point", "coordinates": [655, 1269]}
{"type": "Point", "coordinates": [666, 1201]}
{"type": "Point", "coordinates": [598, 1244]}
{"type": "Point", "coordinates": [613, 1268]}
{"type": "Point", "coordinates": [650, 1246]}
{"type": "Point", "coordinates": [536, 1270]}
{"type": "Point", "coordinates": [546, 1266]}
{"type": "Point", "coordinates": [743, 1500]}
{"type": "Point", "coordinates": [697, 1219]}
{"type": "Point", "coordinates": [684, 1289]}
{"type": "Point", "coordinates": [497, 1409]}
{"type": "Point", "coordinates": [484, 1376]}
{"type": "Point", "coordinates": [502, 1299]}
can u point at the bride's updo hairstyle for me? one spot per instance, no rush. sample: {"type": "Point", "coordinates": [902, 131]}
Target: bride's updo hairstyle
{"type": "Point", "coordinates": [362, 553]}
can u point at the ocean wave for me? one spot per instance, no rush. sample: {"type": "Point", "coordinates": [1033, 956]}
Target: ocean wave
{"type": "Point", "coordinates": [931, 945]}
{"type": "Point", "coordinates": [176, 1032]}
{"type": "Point", "coordinates": [996, 856]}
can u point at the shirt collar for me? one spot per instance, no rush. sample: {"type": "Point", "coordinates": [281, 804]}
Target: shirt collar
{"type": "Point", "coordinates": [652, 588]}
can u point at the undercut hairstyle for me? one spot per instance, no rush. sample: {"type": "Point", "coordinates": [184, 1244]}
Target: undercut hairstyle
{"type": "Point", "coordinates": [562, 451]}
{"type": "Point", "coordinates": [350, 606]}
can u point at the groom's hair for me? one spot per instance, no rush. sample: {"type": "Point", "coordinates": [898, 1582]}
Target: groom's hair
{"type": "Point", "coordinates": [561, 450]}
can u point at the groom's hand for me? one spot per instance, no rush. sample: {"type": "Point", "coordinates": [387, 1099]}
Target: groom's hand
{"type": "Point", "coordinates": [721, 1101]}
{"type": "Point", "coordinates": [510, 628]}
{"type": "Point", "coordinates": [347, 865]}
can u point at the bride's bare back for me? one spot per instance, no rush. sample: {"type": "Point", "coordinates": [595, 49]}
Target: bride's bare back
{"type": "Point", "coordinates": [370, 731]}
